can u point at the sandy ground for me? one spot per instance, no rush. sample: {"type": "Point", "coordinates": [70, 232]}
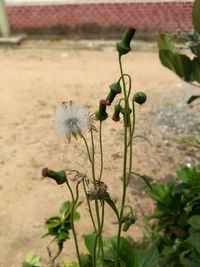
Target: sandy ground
{"type": "Point", "coordinates": [33, 82]}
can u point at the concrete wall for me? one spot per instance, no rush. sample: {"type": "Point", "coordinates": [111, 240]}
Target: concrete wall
{"type": "Point", "coordinates": [85, 17]}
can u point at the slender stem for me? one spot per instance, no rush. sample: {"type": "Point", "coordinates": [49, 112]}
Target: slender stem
{"type": "Point", "coordinates": [101, 228]}
{"type": "Point", "coordinates": [87, 147]}
{"type": "Point", "coordinates": [129, 77]}
{"type": "Point", "coordinates": [96, 200]}
{"type": "Point", "coordinates": [89, 207]}
{"type": "Point", "coordinates": [130, 144]}
{"type": "Point", "coordinates": [127, 116]}
{"type": "Point", "coordinates": [101, 149]}
{"type": "Point", "coordinates": [74, 200]}
{"type": "Point", "coordinates": [133, 127]}
{"type": "Point", "coordinates": [98, 235]}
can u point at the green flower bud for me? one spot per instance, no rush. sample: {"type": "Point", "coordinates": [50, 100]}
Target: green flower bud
{"type": "Point", "coordinates": [115, 89]}
{"type": "Point", "coordinates": [123, 47]}
{"type": "Point", "coordinates": [60, 177]}
{"type": "Point", "coordinates": [117, 110]}
{"type": "Point", "coordinates": [140, 98]}
{"type": "Point", "coordinates": [101, 114]}
{"type": "Point", "coordinates": [128, 221]}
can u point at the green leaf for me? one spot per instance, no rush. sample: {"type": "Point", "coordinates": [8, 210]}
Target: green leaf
{"type": "Point", "coordinates": [192, 98]}
{"type": "Point", "coordinates": [53, 222]}
{"type": "Point", "coordinates": [86, 260]}
{"type": "Point", "coordinates": [165, 43]}
{"type": "Point", "coordinates": [62, 236]}
{"type": "Point", "coordinates": [111, 203]}
{"type": "Point", "coordinates": [126, 252]}
{"type": "Point", "coordinates": [65, 209]}
{"type": "Point", "coordinates": [32, 260]}
{"type": "Point", "coordinates": [147, 258]}
{"type": "Point", "coordinates": [194, 221]}
{"type": "Point", "coordinates": [189, 175]}
{"type": "Point", "coordinates": [196, 15]}
{"type": "Point", "coordinates": [178, 63]}
{"type": "Point", "coordinates": [193, 240]}
{"type": "Point", "coordinates": [89, 242]}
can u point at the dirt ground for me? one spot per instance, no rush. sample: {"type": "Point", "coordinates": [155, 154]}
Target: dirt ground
{"type": "Point", "coordinates": [35, 78]}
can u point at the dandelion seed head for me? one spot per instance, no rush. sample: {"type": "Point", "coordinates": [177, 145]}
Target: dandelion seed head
{"type": "Point", "coordinates": [72, 120]}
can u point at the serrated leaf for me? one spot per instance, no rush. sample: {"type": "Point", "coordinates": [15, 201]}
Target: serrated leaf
{"type": "Point", "coordinates": [196, 15]}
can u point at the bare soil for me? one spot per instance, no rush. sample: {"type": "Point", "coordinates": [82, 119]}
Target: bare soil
{"type": "Point", "coordinates": [34, 80]}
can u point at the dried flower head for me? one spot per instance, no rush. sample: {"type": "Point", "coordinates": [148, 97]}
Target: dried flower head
{"type": "Point", "coordinates": [72, 120]}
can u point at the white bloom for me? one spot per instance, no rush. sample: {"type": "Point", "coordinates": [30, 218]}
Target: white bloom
{"type": "Point", "coordinates": [72, 119]}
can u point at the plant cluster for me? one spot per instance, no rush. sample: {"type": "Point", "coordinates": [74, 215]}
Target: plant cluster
{"type": "Point", "coordinates": [72, 120]}
{"type": "Point", "coordinates": [186, 67]}
{"type": "Point", "coordinates": [176, 227]}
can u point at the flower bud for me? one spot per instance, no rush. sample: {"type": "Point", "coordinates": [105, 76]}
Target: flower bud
{"type": "Point", "coordinates": [101, 114]}
{"type": "Point", "coordinates": [140, 98]}
{"type": "Point", "coordinates": [117, 110]}
{"type": "Point", "coordinates": [59, 177]}
{"type": "Point", "coordinates": [128, 222]}
{"type": "Point", "coordinates": [115, 89]}
{"type": "Point", "coordinates": [123, 47]}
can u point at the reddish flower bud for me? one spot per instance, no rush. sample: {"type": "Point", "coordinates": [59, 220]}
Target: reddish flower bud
{"type": "Point", "coordinates": [101, 114]}
{"type": "Point", "coordinates": [45, 172]}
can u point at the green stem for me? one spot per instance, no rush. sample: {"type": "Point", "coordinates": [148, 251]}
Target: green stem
{"type": "Point", "coordinates": [87, 147]}
{"type": "Point", "coordinates": [129, 77]}
{"type": "Point", "coordinates": [101, 149]}
{"type": "Point", "coordinates": [130, 144]}
{"type": "Point", "coordinates": [74, 200]}
{"type": "Point", "coordinates": [96, 200]}
{"type": "Point", "coordinates": [98, 235]}
{"type": "Point", "coordinates": [133, 127]}
{"type": "Point", "coordinates": [124, 163]}
{"type": "Point", "coordinates": [89, 207]}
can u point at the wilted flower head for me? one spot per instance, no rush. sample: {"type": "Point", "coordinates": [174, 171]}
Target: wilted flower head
{"type": "Point", "coordinates": [72, 119]}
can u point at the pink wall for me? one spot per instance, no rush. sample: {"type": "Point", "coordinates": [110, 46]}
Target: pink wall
{"type": "Point", "coordinates": [101, 17]}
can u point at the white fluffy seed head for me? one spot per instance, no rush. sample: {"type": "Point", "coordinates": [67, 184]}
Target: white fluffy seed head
{"type": "Point", "coordinates": [72, 120]}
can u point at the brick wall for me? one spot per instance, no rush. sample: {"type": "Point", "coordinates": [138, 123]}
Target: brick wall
{"type": "Point", "coordinates": [96, 18]}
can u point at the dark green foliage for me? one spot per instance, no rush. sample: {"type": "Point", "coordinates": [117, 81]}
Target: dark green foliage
{"type": "Point", "coordinates": [187, 68]}
{"type": "Point", "coordinates": [128, 255]}
{"type": "Point", "coordinates": [59, 226]}
{"type": "Point", "coordinates": [177, 224]}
